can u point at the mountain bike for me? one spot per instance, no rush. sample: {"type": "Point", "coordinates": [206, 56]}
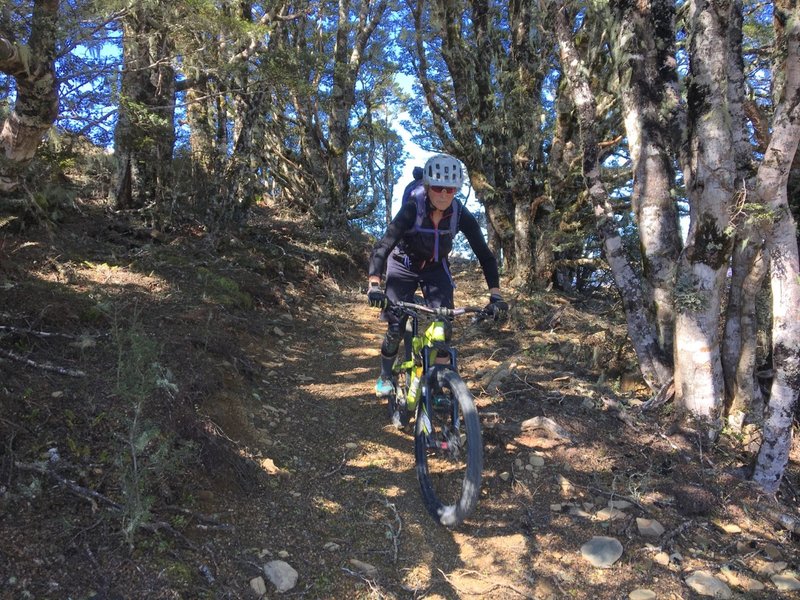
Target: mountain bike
{"type": "Point", "coordinates": [447, 432]}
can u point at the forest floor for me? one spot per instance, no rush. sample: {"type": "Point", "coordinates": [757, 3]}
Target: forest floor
{"type": "Point", "coordinates": [173, 419]}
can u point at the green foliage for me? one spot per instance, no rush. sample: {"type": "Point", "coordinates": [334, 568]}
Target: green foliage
{"type": "Point", "coordinates": [224, 291]}
{"type": "Point", "coordinates": [148, 457]}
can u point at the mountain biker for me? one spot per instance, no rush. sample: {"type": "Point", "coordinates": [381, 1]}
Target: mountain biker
{"type": "Point", "coordinates": [414, 252]}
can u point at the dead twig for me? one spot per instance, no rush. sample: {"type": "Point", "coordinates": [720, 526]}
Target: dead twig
{"type": "Point", "coordinates": [96, 497]}
{"type": "Point", "coordinates": [42, 366]}
{"type": "Point", "coordinates": [485, 591]}
{"type": "Point", "coordinates": [92, 496]}
{"type": "Point", "coordinates": [664, 395]}
{"type": "Point", "coordinates": [393, 531]}
{"type": "Point", "coordinates": [337, 469]}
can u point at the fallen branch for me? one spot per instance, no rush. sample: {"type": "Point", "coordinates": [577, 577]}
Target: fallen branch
{"type": "Point", "coordinates": [485, 591]}
{"type": "Point", "coordinates": [788, 522]}
{"type": "Point", "coordinates": [536, 423]}
{"type": "Point", "coordinates": [337, 469]}
{"type": "Point", "coordinates": [664, 395]}
{"type": "Point", "coordinates": [93, 496]}
{"type": "Point", "coordinates": [42, 334]}
{"type": "Point", "coordinates": [76, 489]}
{"type": "Point", "coordinates": [42, 366]}
{"type": "Point", "coordinates": [394, 532]}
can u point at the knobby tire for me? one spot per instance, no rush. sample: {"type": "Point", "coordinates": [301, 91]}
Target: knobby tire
{"type": "Point", "coordinates": [446, 501]}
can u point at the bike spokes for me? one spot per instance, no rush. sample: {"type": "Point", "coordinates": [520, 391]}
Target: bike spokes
{"type": "Point", "coordinates": [449, 454]}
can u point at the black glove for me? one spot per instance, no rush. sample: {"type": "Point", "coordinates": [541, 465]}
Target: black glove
{"type": "Point", "coordinates": [497, 307]}
{"type": "Point", "coordinates": [376, 297]}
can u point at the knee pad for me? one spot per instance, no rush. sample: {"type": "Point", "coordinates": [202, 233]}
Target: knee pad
{"type": "Point", "coordinates": [391, 341]}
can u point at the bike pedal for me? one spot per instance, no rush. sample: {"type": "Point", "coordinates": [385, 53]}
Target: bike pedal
{"type": "Point", "coordinates": [442, 404]}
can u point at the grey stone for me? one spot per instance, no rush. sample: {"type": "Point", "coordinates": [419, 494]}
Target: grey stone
{"type": "Point", "coordinates": [786, 582]}
{"type": "Point", "coordinates": [609, 514]}
{"type": "Point", "coordinates": [642, 594]}
{"type": "Point", "coordinates": [536, 461]}
{"type": "Point", "coordinates": [258, 586]}
{"type": "Point", "coordinates": [281, 574]}
{"type": "Point", "coordinates": [601, 551]}
{"type": "Point", "coordinates": [649, 527]}
{"type": "Point", "coordinates": [705, 584]}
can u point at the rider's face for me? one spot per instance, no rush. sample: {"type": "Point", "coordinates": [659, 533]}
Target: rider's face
{"type": "Point", "coordinates": [441, 197]}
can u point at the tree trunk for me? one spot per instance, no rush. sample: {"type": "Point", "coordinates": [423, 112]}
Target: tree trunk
{"type": "Point", "coordinates": [710, 186]}
{"type": "Point", "coordinates": [655, 368]}
{"type": "Point", "coordinates": [523, 265]}
{"type": "Point", "coordinates": [333, 177]}
{"type": "Point", "coordinates": [646, 61]}
{"type": "Point", "coordinates": [772, 179]}
{"type": "Point", "coordinates": [36, 106]}
{"type": "Point", "coordinates": [740, 339]}
{"type": "Point", "coordinates": [145, 135]}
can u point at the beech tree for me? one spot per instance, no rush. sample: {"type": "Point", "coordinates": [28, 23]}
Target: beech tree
{"type": "Point", "coordinates": [32, 67]}
{"type": "Point", "coordinates": [145, 132]}
{"type": "Point", "coordinates": [781, 247]}
{"type": "Point", "coordinates": [481, 73]}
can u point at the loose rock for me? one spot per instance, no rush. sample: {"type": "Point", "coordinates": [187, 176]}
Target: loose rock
{"type": "Point", "coordinates": [536, 461]}
{"type": "Point", "coordinates": [642, 594]}
{"type": "Point", "coordinates": [741, 581]}
{"type": "Point", "coordinates": [649, 527]}
{"type": "Point", "coordinates": [786, 582]}
{"type": "Point", "coordinates": [601, 551]}
{"type": "Point", "coordinates": [609, 514]}
{"type": "Point", "coordinates": [258, 585]}
{"type": "Point", "coordinates": [281, 574]}
{"type": "Point", "coordinates": [705, 584]}
{"type": "Point", "coordinates": [364, 568]}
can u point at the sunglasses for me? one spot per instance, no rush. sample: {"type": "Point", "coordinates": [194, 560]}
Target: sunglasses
{"type": "Point", "coordinates": [442, 188]}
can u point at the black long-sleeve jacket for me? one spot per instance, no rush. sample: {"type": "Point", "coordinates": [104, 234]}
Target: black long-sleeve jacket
{"type": "Point", "coordinates": [419, 247]}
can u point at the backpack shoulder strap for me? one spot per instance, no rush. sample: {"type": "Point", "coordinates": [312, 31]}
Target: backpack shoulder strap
{"type": "Point", "coordinates": [455, 217]}
{"type": "Point", "coordinates": [418, 196]}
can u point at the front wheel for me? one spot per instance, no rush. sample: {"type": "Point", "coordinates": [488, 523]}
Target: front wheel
{"type": "Point", "coordinates": [448, 450]}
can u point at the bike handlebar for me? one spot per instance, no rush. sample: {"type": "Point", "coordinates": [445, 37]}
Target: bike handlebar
{"type": "Point", "coordinates": [441, 311]}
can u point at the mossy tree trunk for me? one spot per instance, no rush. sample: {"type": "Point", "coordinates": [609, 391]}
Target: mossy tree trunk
{"type": "Point", "coordinates": [644, 53]}
{"type": "Point", "coordinates": [784, 272]}
{"type": "Point", "coordinates": [36, 107]}
{"type": "Point", "coordinates": [710, 176]}
{"type": "Point", "coordinates": [654, 367]}
{"type": "Point", "coordinates": [144, 138]}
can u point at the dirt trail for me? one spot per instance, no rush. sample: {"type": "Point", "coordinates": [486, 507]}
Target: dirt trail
{"type": "Point", "coordinates": [343, 484]}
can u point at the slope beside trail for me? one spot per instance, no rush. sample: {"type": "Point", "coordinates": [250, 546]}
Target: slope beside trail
{"type": "Point", "coordinates": [262, 440]}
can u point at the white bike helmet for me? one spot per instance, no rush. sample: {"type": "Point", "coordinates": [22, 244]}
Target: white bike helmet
{"type": "Point", "coordinates": [445, 170]}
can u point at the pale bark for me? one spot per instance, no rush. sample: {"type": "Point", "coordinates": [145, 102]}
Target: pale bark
{"type": "Point", "coordinates": [748, 265]}
{"type": "Point", "coordinates": [781, 239]}
{"type": "Point", "coordinates": [655, 368]}
{"type": "Point", "coordinates": [710, 185]}
{"type": "Point", "coordinates": [646, 63]}
{"type": "Point", "coordinates": [740, 339]}
{"type": "Point", "coordinates": [36, 106]}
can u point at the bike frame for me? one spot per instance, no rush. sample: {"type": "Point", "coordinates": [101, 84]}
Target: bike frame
{"type": "Point", "coordinates": [426, 347]}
